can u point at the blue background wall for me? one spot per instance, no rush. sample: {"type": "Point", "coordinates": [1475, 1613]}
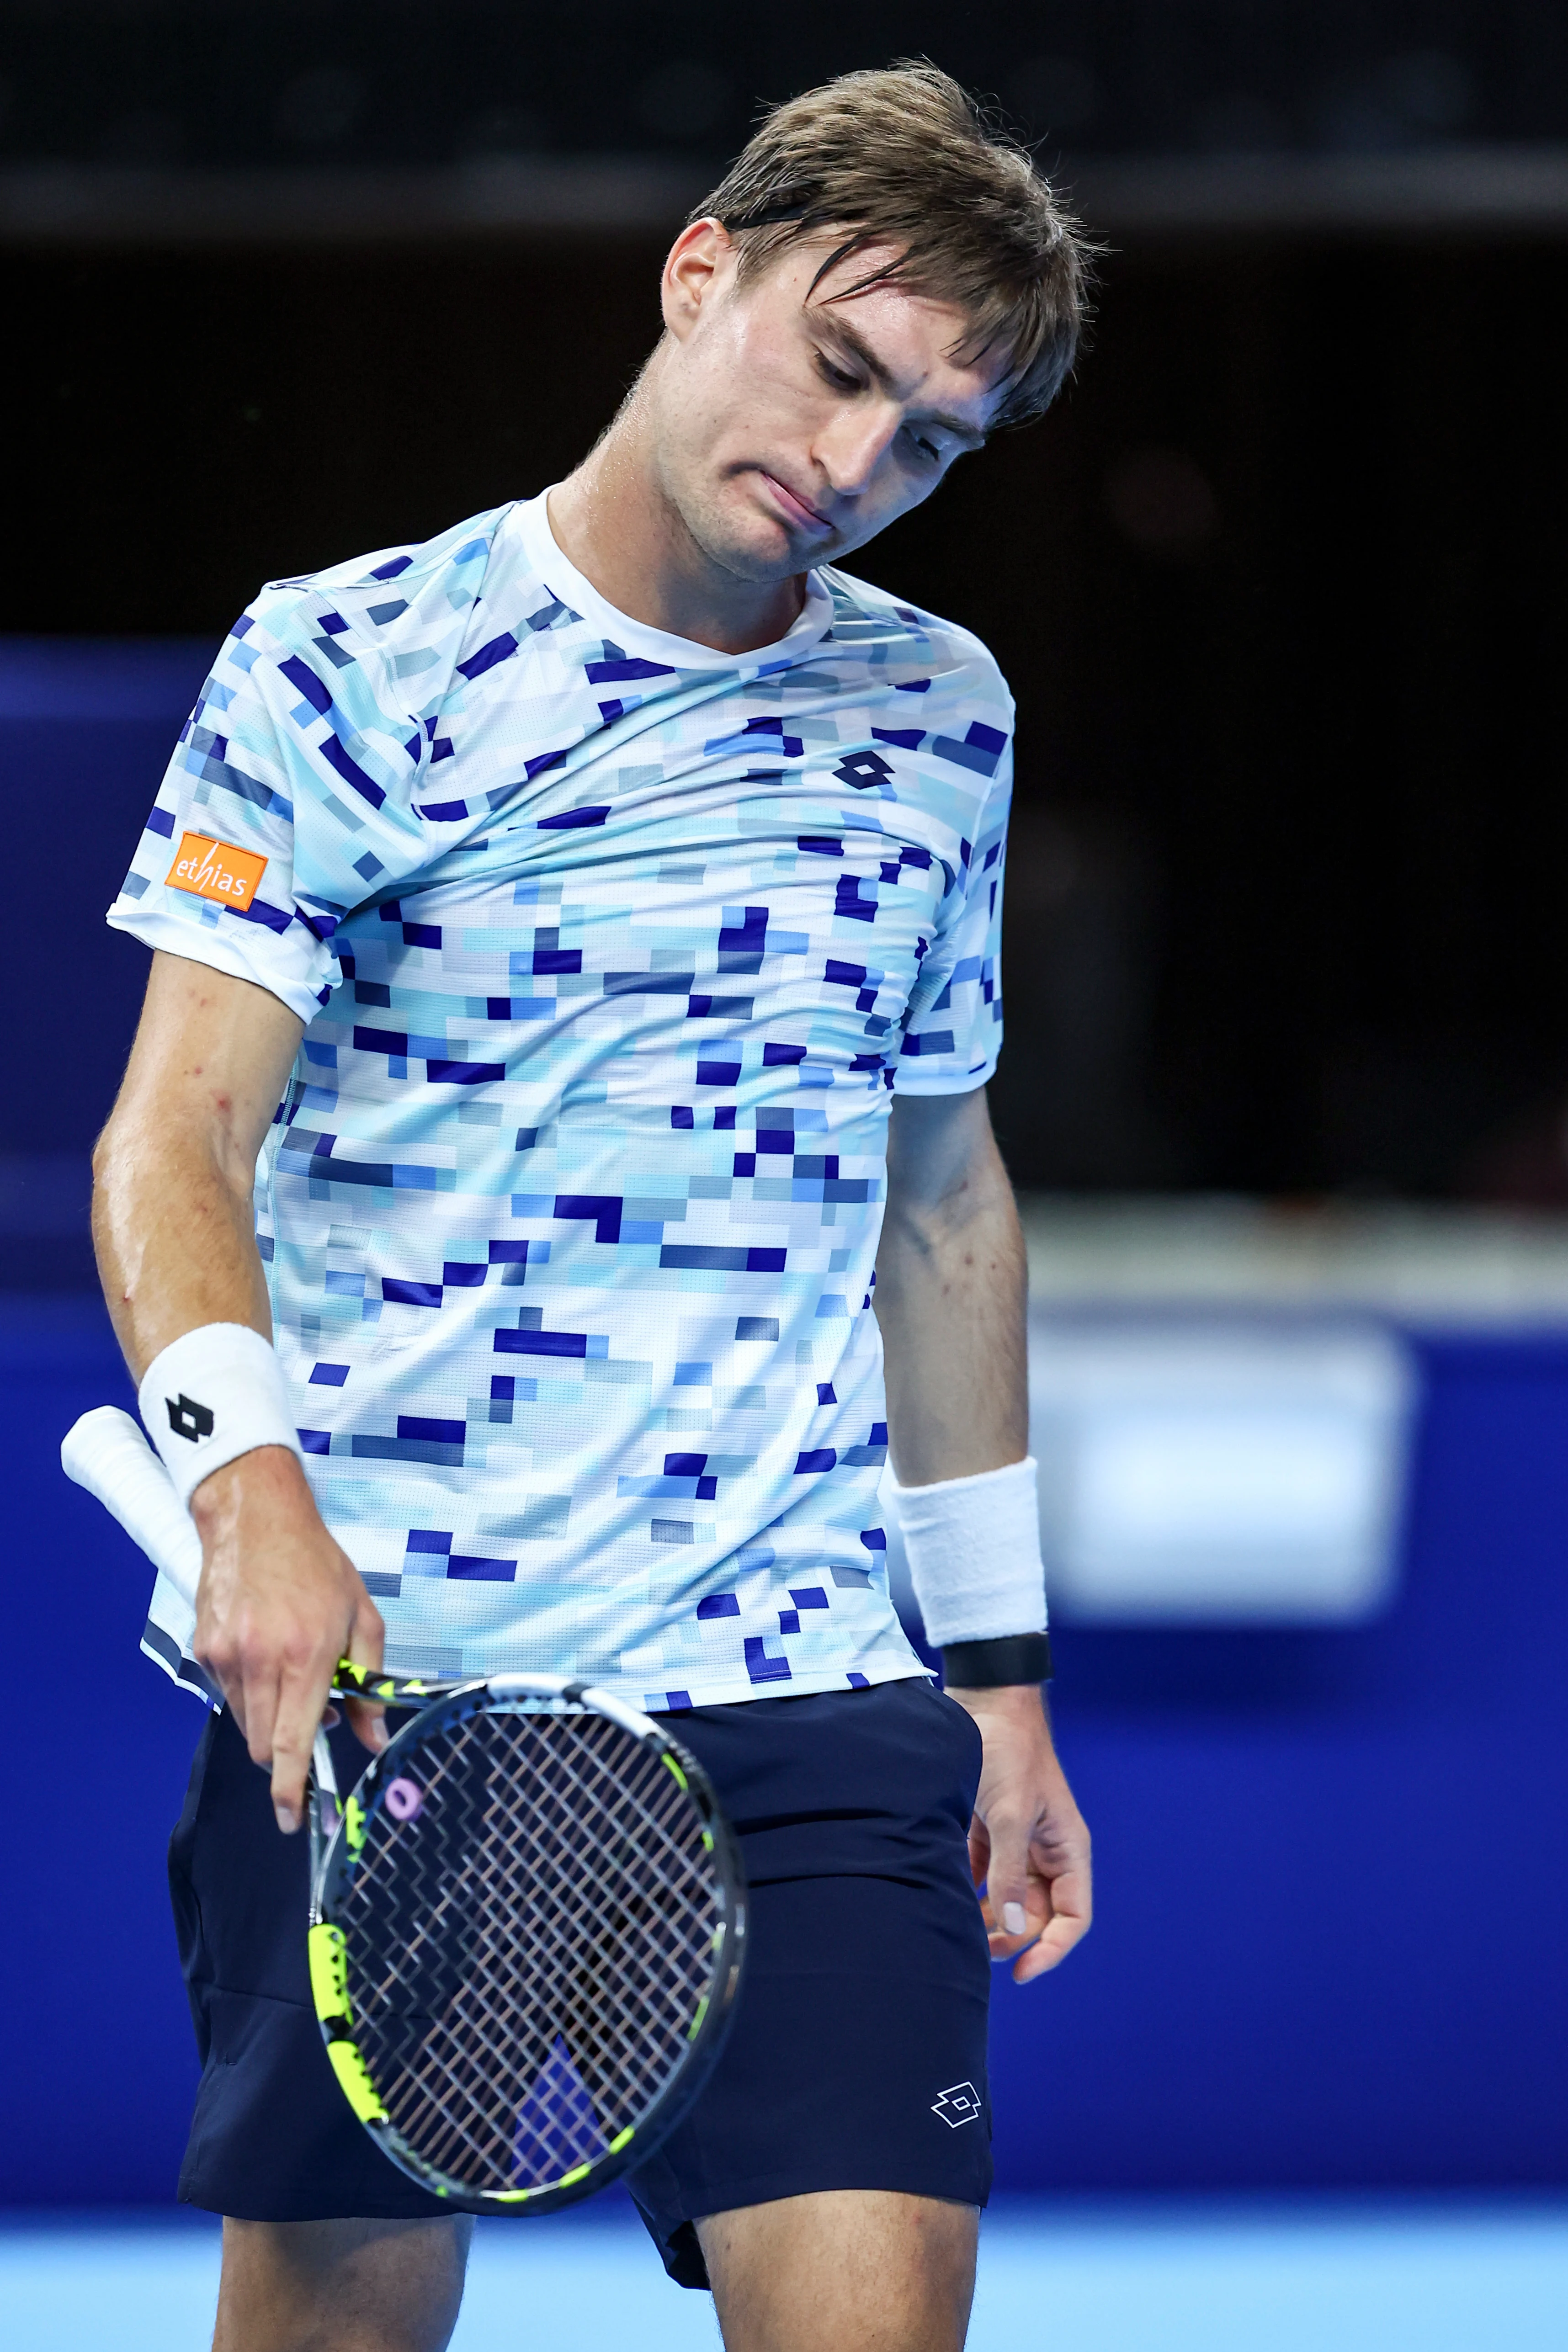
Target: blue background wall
{"type": "Point", "coordinates": [1333, 1902]}
{"type": "Point", "coordinates": [86, 731]}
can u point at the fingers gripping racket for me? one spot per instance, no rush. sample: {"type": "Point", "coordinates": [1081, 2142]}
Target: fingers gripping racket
{"type": "Point", "coordinates": [527, 1920]}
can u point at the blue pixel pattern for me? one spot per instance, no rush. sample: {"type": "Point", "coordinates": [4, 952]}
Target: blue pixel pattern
{"type": "Point", "coordinates": [611, 951]}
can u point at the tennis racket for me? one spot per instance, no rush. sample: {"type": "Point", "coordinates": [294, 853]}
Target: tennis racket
{"type": "Point", "coordinates": [527, 1919]}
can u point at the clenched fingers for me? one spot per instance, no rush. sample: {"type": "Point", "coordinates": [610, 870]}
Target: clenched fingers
{"type": "Point", "coordinates": [1038, 1902]}
{"type": "Point", "coordinates": [1068, 1924]}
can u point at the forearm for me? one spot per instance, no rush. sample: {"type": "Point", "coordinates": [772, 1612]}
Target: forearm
{"type": "Point", "coordinates": [952, 1294]}
{"type": "Point", "coordinates": [174, 1236]}
{"type": "Point", "coordinates": [175, 1168]}
{"type": "Point", "coordinates": [950, 1297]}
{"type": "Point", "coordinates": [279, 1600]}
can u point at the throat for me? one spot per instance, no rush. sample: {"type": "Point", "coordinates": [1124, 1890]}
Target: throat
{"type": "Point", "coordinates": [636, 549]}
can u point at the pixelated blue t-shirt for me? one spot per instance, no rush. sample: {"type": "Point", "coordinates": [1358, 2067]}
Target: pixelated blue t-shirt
{"type": "Point", "coordinates": [611, 949]}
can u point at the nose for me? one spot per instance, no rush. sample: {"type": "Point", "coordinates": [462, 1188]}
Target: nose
{"type": "Point", "coordinates": [852, 445]}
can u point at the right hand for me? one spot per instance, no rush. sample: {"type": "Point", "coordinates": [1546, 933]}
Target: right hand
{"type": "Point", "coordinates": [1028, 1841]}
{"type": "Point", "coordinates": [279, 1605]}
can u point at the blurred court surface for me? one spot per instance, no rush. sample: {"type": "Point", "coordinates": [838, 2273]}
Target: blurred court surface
{"type": "Point", "coordinates": [1154, 2276]}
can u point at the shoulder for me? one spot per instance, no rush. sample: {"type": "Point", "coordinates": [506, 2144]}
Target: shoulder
{"type": "Point", "coordinates": [397, 598]}
{"type": "Point", "coordinates": [336, 676]}
{"type": "Point", "coordinates": [958, 663]}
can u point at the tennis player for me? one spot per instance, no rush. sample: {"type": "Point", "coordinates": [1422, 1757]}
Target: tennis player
{"type": "Point", "coordinates": [590, 916]}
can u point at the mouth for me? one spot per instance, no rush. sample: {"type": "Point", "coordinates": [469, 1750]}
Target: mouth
{"type": "Point", "coordinates": [796, 510]}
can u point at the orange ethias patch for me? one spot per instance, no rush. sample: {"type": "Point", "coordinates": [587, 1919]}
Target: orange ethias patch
{"type": "Point", "coordinates": [216, 869]}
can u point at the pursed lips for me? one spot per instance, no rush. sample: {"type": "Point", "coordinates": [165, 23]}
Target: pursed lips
{"type": "Point", "coordinates": [792, 498]}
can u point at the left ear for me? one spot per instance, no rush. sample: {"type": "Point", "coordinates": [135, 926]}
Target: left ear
{"type": "Point", "coordinates": [701, 258]}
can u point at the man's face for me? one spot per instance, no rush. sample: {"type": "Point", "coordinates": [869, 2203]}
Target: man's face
{"type": "Point", "coordinates": [789, 431]}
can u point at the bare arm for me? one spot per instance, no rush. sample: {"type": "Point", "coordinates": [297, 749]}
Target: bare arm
{"type": "Point", "coordinates": [951, 1285]}
{"type": "Point", "coordinates": [173, 1174]}
{"type": "Point", "coordinates": [951, 1296]}
{"type": "Point", "coordinates": [175, 1167]}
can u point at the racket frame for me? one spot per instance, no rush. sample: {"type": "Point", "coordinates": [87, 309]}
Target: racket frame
{"type": "Point", "coordinates": [105, 1453]}
{"type": "Point", "coordinates": [338, 1827]}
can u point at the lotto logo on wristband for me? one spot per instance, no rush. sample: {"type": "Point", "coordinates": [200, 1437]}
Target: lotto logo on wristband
{"type": "Point", "coordinates": [216, 870]}
{"type": "Point", "coordinates": [246, 1401]}
{"type": "Point", "coordinates": [188, 1419]}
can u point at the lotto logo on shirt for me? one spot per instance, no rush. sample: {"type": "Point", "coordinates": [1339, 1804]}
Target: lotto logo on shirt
{"type": "Point", "coordinates": [216, 869]}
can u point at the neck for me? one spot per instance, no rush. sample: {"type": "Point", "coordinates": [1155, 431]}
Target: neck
{"type": "Point", "coordinates": [616, 521]}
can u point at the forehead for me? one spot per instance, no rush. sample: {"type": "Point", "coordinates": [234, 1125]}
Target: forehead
{"type": "Point", "coordinates": [913, 335]}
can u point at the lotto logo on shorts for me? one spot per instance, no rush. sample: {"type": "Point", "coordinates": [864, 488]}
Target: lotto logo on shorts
{"type": "Point", "coordinates": [960, 2104]}
{"type": "Point", "coordinates": [217, 869]}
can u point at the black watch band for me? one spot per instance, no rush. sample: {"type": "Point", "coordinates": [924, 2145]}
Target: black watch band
{"type": "Point", "coordinates": [990, 1665]}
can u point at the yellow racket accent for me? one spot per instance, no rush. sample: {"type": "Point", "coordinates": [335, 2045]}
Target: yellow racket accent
{"type": "Point", "coordinates": [329, 1973]}
{"type": "Point", "coordinates": [358, 2089]}
{"type": "Point", "coordinates": [372, 1683]}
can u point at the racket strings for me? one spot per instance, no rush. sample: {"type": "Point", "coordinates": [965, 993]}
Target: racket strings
{"type": "Point", "coordinates": [527, 1932]}
{"type": "Point", "coordinates": [604, 2040]}
{"type": "Point", "coordinates": [529, 1950]}
{"type": "Point", "coordinates": [507, 1943]}
{"type": "Point", "coordinates": [606, 2011]}
{"type": "Point", "coordinates": [604, 2033]}
{"type": "Point", "coordinates": [405, 1892]}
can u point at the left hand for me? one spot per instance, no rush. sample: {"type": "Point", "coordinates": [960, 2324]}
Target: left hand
{"type": "Point", "coordinates": [1028, 1841]}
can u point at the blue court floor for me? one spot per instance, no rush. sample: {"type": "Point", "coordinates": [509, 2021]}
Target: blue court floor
{"type": "Point", "coordinates": [1155, 2275]}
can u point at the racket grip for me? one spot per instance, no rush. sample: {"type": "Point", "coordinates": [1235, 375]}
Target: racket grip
{"type": "Point", "coordinates": [105, 1453]}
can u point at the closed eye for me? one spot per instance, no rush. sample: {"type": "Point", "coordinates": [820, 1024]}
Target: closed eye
{"type": "Point", "coordinates": [844, 380]}
{"type": "Point", "coordinates": [839, 378]}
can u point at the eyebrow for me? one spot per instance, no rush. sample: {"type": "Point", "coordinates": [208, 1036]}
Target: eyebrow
{"type": "Point", "coordinates": [840, 331]}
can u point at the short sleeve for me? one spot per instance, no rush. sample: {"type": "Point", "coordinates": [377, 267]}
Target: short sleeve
{"type": "Point", "coordinates": [952, 1032]}
{"type": "Point", "coordinates": [289, 799]}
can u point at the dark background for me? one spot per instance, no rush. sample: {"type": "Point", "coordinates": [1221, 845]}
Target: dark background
{"type": "Point", "coordinates": [1276, 586]}
{"type": "Point", "coordinates": [395, 82]}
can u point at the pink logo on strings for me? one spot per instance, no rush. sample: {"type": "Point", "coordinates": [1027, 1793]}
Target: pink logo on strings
{"type": "Point", "coordinates": [404, 1799]}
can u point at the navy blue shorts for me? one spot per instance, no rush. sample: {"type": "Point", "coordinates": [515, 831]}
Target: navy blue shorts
{"type": "Point", "coordinates": [857, 2057]}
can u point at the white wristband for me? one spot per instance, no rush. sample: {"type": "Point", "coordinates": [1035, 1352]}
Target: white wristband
{"type": "Point", "coordinates": [213, 1395]}
{"type": "Point", "coordinates": [974, 1550]}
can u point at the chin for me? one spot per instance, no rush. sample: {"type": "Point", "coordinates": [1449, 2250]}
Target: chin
{"type": "Point", "coordinates": [759, 550]}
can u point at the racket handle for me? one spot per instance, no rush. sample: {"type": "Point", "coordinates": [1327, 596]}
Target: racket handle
{"type": "Point", "coordinates": [105, 1453]}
